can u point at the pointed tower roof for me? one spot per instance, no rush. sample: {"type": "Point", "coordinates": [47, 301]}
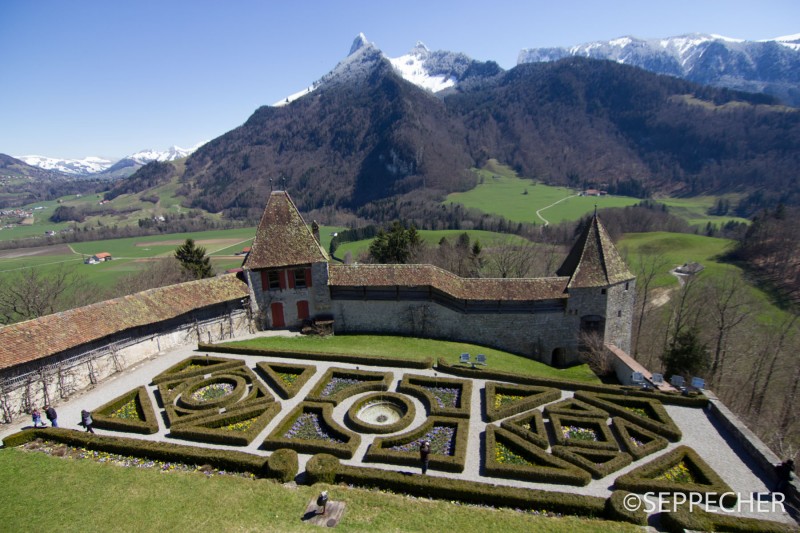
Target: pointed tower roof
{"type": "Point", "coordinates": [282, 238]}
{"type": "Point", "coordinates": [594, 260]}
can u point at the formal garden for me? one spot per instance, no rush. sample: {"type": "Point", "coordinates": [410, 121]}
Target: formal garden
{"type": "Point", "coordinates": [498, 438]}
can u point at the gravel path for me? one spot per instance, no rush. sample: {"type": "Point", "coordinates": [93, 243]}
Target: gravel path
{"type": "Point", "coordinates": [712, 442]}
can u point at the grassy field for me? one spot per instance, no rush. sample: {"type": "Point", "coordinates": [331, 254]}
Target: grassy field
{"type": "Point", "coordinates": [432, 238]}
{"type": "Point", "coordinates": [45, 493]}
{"type": "Point", "coordinates": [133, 254]}
{"type": "Point", "coordinates": [418, 349]}
{"type": "Point", "coordinates": [695, 210]}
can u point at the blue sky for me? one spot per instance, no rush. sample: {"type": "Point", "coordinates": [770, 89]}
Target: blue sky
{"type": "Point", "coordinates": [109, 78]}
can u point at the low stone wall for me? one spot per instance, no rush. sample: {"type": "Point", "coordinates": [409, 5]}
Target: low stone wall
{"type": "Point", "coordinates": [55, 378]}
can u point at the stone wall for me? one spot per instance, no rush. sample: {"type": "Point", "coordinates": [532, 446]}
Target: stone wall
{"type": "Point", "coordinates": [56, 378]}
{"type": "Point", "coordinates": [317, 296]}
{"type": "Point", "coordinates": [535, 335]}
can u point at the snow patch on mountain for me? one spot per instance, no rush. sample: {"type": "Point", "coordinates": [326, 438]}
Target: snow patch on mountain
{"type": "Point", "coordinates": [171, 154]}
{"type": "Point", "coordinates": [413, 67]}
{"type": "Point", "coordinates": [74, 167]}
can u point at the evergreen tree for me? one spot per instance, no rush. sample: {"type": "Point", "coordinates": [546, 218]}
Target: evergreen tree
{"type": "Point", "coordinates": [687, 354]}
{"type": "Point", "coordinates": [194, 260]}
{"type": "Point", "coordinates": [396, 246]}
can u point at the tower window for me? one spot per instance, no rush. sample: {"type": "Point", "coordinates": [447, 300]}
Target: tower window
{"type": "Point", "coordinates": [299, 278]}
{"type": "Point", "coordinates": [619, 313]}
{"type": "Point", "coordinates": [274, 280]}
{"type": "Point", "coordinates": [627, 283]}
{"type": "Point", "coordinates": [602, 291]}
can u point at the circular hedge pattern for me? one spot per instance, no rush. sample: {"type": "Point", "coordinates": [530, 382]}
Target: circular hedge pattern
{"type": "Point", "coordinates": [190, 398]}
{"type": "Point", "coordinates": [400, 402]}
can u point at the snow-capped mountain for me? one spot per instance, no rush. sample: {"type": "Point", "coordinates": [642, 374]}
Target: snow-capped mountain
{"type": "Point", "coordinates": [433, 71]}
{"type": "Point", "coordinates": [771, 66]}
{"type": "Point", "coordinates": [74, 167]}
{"type": "Point", "coordinates": [174, 152]}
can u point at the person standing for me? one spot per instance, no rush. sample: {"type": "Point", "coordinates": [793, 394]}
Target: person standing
{"type": "Point", "coordinates": [86, 420]}
{"type": "Point", "coordinates": [52, 416]}
{"type": "Point", "coordinates": [36, 415]}
{"type": "Point", "coordinates": [424, 453]}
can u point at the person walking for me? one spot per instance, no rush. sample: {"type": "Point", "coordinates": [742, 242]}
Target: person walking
{"type": "Point", "coordinates": [52, 416]}
{"type": "Point", "coordinates": [36, 415]}
{"type": "Point", "coordinates": [424, 453]}
{"type": "Point", "coordinates": [86, 420]}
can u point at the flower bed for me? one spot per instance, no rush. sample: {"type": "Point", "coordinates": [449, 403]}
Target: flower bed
{"type": "Point", "coordinates": [337, 384]}
{"type": "Point", "coordinates": [583, 432]}
{"type": "Point", "coordinates": [529, 426]}
{"type": "Point", "coordinates": [442, 396]}
{"type": "Point", "coordinates": [235, 428]}
{"type": "Point", "coordinates": [213, 393]}
{"type": "Point", "coordinates": [665, 474]}
{"type": "Point", "coordinates": [504, 400]}
{"type": "Point", "coordinates": [197, 365]}
{"type": "Point", "coordinates": [448, 439]}
{"type": "Point", "coordinates": [402, 402]}
{"type": "Point", "coordinates": [286, 379]}
{"type": "Point", "coordinates": [509, 456]}
{"type": "Point", "coordinates": [310, 428]}
{"type": "Point", "coordinates": [636, 440]}
{"type": "Point", "coordinates": [658, 421]}
{"type": "Point", "coordinates": [133, 411]}
{"type": "Point", "coordinates": [599, 463]}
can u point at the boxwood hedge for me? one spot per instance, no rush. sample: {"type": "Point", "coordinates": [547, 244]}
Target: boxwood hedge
{"type": "Point", "coordinates": [604, 438]}
{"type": "Point", "coordinates": [573, 407]}
{"type": "Point", "coordinates": [695, 518]}
{"type": "Point", "coordinates": [146, 421]}
{"type": "Point", "coordinates": [380, 451]}
{"type": "Point", "coordinates": [340, 442]}
{"type": "Point", "coordinates": [616, 509]}
{"type": "Point", "coordinates": [657, 421]}
{"type": "Point", "coordinates": [529, 426]}
{"type": "Point", "coordinates": [320, 356]}
{"type": "Point", "coordinates": [532, 397]}
{"type": "Point", "coordinates": [636, 440]}
{"type": "Point", "coordinates": [197, 365]}
{"type": "Point", "coordinates": [599, 463]}
{"type": "Point", "coordinates": [367, 381]}
{"type": "Point", "coordinates": [213, 429]}
{"type": "Point", "coordinates": [282, 465]}
{"type": "Point", "coordinates": [707, 481]}
{"type": "Point", "coordinates": [272, 371]}
{"type": "Point", "coordinates": [420, 386]}
{"type": "Point", "coordinates": [541, 466]}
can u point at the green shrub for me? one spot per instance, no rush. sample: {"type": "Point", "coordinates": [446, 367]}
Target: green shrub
{"type": "Point", "coordinates": [282, 465]}
{"type": "Point", "coordinates": [686, 518]}
{"type": "Point", "coordinates": [420, 386]}
{"type": "Point", "coordinates": [212, 429]}
{"type": "Point", "coordinates": [707, 481]}
{"type": "Point", "coordinates": [596, 426]}
{"type": "Point", "coordinates": [565, 384]}
{"type": "Point", "coordinates": [196, 365]}
{"type": "Point", "coordinates": [532, 397]}
{"type": "Point", "coordinates": [239, 388]}
{"type": "Point", "coordinates": [320, 356]}
{"type": "Point", "coordinates": [471, 492]}
{"type": "Point", "coordinates": [658, 420]}
{"type": "Point", "coordinates": [599, 463]}
{"type": "Point", "coordinates": [627, 432]}
{"type": "Point", "coordinates": [381, 452]}
{"type": "Point", "coordinates": [617, 510]}
{"type": "Point", "coordinates": [322, 468]}
{"type": "Point", "coordinates": [530, 462]}
{"type": "Point", "coordinates": [347, 440]}
{"type": "Point", "coordinates": [146, 421]}
{"type": "Point", "coordinates": [286, 391]}
{"type": "Point", "coordinates": [401, 401]}
{"type": "Point", "coordinates": [368, 381]}
{"type": "Point", "coordinates": [530, 427]}
{"type": "Point", "coordinates": [20, 438]}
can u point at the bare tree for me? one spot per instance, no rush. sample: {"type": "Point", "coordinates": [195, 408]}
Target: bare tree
{"type": "Point", "coordinates": [510, 260]}
{"type": "Point", "coordinates": [33, 293]}
{"type": "Point", "coordinates": [647, 267]}
{"type": "Point", "coordinates": [729, 306]}
{"type": "Point", "coordinates": [160, 273]}
{"type": "Point", "coordinates": [592, 351]}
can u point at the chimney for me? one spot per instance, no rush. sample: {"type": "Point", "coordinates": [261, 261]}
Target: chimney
{"type": "Point", "coordinates": [315, 230]}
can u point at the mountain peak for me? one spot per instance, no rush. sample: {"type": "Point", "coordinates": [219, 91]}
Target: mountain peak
{"type": "Point", "coordinates": [358, 43]}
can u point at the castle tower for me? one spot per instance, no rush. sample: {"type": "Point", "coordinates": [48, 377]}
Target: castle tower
{"type": "Point", "coordinates": [286, 269]}
{"type": "Point", "coordinates": [601, 288]}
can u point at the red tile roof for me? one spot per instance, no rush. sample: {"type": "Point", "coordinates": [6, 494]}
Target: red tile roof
{"type": "Point", "coordinates": [282, 238]}
{"type": "Point", "coordinates": [102, 255]}
{"type": "Point", "coordinates": [594, 260]}
{"type": "Point", "coordinates": [509, 289]}
{"type": "Point", "coordinates": [51, 334]}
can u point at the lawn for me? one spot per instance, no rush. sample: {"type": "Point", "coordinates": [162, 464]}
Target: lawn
{"type": "Point", "coordinates": [39, 495]}
{"type": "Point", "coordinates": [417, 349]}
{"type": "Point", "coordinates": [695, 210]}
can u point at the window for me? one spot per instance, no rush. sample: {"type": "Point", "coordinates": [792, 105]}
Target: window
{"type": "Point", "coordinates": [274, 280]}
{"type": "Point", "coordinates": [626, 285]}
{"type": "Point", "coordinates": [299, 276]}
{"type": "Point", "coordinates": [619, 313]}
{"type": "Point", "coordinates": [602, 291]}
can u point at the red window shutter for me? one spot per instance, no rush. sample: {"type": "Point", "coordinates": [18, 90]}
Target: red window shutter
{"type": "Point", "coordinates": [302, 309]}
{"type": "Point", "coordinates": [282, 279]}
{"type": "Point", "coordinates": [291, 278]}
{"type": "Point", "coordinates": [264, 281]}
{"type": "Point", "coordinates": [308, 277]}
